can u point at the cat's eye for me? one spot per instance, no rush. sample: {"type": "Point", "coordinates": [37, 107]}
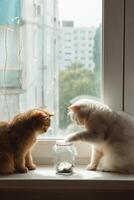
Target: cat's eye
{"type": "Point", "coordinates": [46, 118]}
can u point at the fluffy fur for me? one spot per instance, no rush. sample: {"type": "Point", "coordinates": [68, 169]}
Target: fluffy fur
{"type": "Point", "coordinates": [110, 133]}
{"type": "Point", "coordinates": [17, 138]}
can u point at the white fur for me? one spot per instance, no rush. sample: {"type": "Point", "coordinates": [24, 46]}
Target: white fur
{"type": "Point", "coordinates": [111, 135]}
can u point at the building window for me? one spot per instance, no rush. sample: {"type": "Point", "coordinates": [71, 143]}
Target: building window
{"type": "Point", "coordinates": [75, 38]}
{"type": "Point", "coordinates": [67, 47]}
{"type": "Point", "coordinates": [68, 53]}
{"type": "Point", "coordinates": [83, 38]}
{"type": "Point", "coordinates": [82, 58]}
{"type": "Point", "coordinates": [83, 32]}
{"type": "Point", "coordinates": [67, 60]}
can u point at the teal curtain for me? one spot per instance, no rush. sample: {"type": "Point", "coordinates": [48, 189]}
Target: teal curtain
{"type": "Point", "coordinates": [10, 12]}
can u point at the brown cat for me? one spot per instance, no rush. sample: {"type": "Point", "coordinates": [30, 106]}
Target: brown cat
{"type": "Point", "coordinates": [17, 138]}
{"type": "Point", "coordinates": [110, 133]}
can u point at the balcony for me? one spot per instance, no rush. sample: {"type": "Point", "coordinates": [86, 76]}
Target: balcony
{"type": "Point", "coordinates": [11, 81]}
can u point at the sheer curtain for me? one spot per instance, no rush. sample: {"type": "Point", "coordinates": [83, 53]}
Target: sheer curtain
{"type": "Point", "coordinates": [10, 57]}
{"type": "Point", "coordinates": [27, 65]}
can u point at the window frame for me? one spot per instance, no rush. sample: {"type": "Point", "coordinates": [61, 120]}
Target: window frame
{"type": "Point", "coordinates": [112, 76]}
{"type": "Point", "coordinates": [129, 58]}
{"type": "Point", "coordinates": [113, 53]}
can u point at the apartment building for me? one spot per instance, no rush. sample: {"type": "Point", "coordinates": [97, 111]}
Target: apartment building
{"type": "Point", "coordinates": [75, 45]}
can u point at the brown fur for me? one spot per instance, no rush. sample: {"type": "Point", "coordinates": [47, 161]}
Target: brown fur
{"type": "Point", "coordinates": [17, 138]}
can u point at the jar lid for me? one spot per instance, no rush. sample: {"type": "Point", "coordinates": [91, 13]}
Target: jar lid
{"type": "Point", "coordinates": [63, 143]}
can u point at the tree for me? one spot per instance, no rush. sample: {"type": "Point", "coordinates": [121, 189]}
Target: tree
{"type": "Point", "coordinates": [74, 80]}
{"type": "Point", "coordinates": [97, 58]}
{"type": "Point", "coordinates": [97, 49]}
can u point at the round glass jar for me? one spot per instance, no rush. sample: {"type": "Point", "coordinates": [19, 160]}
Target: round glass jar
{"type": "Point", "coordinates": [64, 157]}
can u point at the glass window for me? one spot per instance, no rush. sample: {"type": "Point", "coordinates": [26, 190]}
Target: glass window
{"type": "Point", "coordinates": [29, 48]}
{"type": "Point", "coordinates": [83, 78]}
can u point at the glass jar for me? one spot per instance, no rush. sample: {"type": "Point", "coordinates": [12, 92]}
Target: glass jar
{"type": "Point", "coordinates": [64, 157]}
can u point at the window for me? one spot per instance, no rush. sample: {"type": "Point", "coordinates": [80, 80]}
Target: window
{"type": "Point", "coordinates": [117, 59]}
{"type": "Point", "coordinates": [34, 48]}
{"type": "Point", "coordinates": [67, 47]}
{"type": "Point", "coordinates": [68, 41]}
{"type": "Point", "coordinates": [68, 53]}
{"type": "Point", "coordinates": [67, 34]}
{"type": "Point", "coordinates": [83, 38]}
{"type": "Point", "coordinates": [67, 60]}
{"type": "Point", "coordinates": [82, 58]}
{"type": "Point", "coordinates": [82, 51]}
{"type": "Point", "coordinates": [75, 38]}
{"type": "Point", "coordinates": [83, 32]}
{"type": "Point", "coordinates": [30, 75]}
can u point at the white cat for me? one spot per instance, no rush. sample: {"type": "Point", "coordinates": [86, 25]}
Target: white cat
{"type": "Point", "coordinates": [110, 133]}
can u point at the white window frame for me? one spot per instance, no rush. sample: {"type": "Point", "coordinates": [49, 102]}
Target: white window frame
{"type": "Point", "coordinates": [112, 76]}
{"type": "Point", "coordinates": [113, 49]}
{"type": "Point", "coordinates": [129, 58]}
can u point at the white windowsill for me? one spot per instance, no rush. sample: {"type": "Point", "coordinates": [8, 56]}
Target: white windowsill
{"type": "Point", "coordinates": [44, 177]}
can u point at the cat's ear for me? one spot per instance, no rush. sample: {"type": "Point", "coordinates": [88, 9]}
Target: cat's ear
{"type": "Point", "coordinates": [51, 114]}
{"type": "Point", "coordinates": [74, 108]}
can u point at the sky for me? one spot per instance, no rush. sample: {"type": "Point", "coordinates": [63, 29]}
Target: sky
{"type": "Point", "coordinates": [83, 12]}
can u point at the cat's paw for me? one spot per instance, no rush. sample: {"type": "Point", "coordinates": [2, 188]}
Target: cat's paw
{"type": "Point", "coordinates": [91, 167]}
{"type": "Point", "coordinates": [32, 167]}
{"type": "Point", "coordinates": [103, 169]}
{"type": "Point", "coordinates": [22, 170]}
{"type": "Point", "coordinates": [71, 137]}
{"type": "Point", "coordinates": [67, 138]}
{"type": "Point", "coordinates": [7, 171]}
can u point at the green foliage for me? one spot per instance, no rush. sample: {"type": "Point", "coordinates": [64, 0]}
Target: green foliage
{"type": "Point", "coordinates": [97, 49]}
{"type": "Point", "coordinates": [75, 80]}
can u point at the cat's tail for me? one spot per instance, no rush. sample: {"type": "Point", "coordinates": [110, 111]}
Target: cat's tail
{"type": "Point", "coordinates": [80, 136]}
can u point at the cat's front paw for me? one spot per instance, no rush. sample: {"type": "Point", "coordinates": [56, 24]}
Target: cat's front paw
{"type": "Point", "coordinates": [103, 169]}
{"type": "Point", "coordinates": [32, 167]}
{"type": "Point", "coordinates": [91, 167]}
{"type": "Point", "coordinates": [67, 138]}
{"type": "Point", "coordinates": [71, 137]}
{"type": "Point", "coordinates": [22, 170]}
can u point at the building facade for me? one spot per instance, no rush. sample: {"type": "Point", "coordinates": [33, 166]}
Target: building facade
{"type": "Point", "coordinates": [75, 45]}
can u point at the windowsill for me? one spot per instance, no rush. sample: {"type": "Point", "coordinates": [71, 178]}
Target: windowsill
{"type": "Point", "coordinates": [44, 177]}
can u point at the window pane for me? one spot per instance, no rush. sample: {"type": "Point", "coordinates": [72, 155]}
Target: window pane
{"type": "Point", "coordinates": [80, 65]}
{"type": "Point", "coordinates": [50, 57]}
